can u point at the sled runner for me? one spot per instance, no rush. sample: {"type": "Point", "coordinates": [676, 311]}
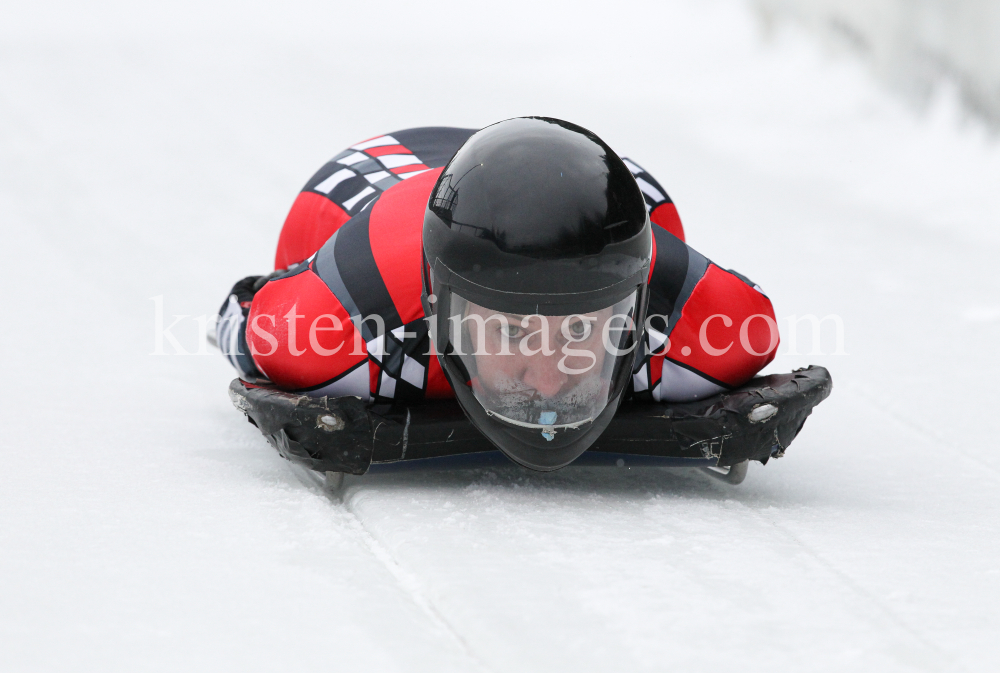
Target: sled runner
{"type": "Point", "coordinates": [720, 434]}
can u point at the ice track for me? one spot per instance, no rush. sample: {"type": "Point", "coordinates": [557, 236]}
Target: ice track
{"type": "Point", "coordinates": [145, 526]}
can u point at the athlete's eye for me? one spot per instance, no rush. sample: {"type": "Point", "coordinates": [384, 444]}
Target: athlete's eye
{"type": "Point", "coordinates": [579, 330]}
{"type": "Point", "coordinates": [510, 331]}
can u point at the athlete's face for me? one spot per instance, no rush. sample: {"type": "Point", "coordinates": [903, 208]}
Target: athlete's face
{"type": "Point", "coordinates": [550, 358]}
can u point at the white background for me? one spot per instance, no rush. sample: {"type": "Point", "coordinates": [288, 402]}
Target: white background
{"type": "Point", "coordinates": [911, 44]}
{"type": "Point", "coordinates": [144, 525]}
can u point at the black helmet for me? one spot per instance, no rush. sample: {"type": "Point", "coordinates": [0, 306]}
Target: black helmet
{"type": "Point", "coordinates": [536, 239]}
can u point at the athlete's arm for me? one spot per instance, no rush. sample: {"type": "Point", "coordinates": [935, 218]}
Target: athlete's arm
{"type": "Point", "coordinates": [662, 210]}
{"type": "Point", "coordinates": [709, 329]}
{"type": "Point", "coordinates": [302, 339]}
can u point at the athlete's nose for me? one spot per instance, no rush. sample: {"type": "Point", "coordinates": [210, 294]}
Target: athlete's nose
{"type": "Point", "coordinates": [543, 374]}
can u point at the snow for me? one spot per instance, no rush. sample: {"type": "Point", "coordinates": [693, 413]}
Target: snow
{"type": "Point", "coordinates": [912, 45]}
{"type": "Point", "coordinates": [152, 150]}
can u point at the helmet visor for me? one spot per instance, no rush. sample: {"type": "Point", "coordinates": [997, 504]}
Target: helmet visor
{"type": "Point", "coordinates": [548, 373]}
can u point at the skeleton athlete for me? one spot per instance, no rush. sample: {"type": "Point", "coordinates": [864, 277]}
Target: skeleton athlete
{"type": "Point", "coordinates": [550, 275]}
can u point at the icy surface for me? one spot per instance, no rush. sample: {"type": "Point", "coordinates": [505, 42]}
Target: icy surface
{"type": "Point", "coordinates": [144, 525]}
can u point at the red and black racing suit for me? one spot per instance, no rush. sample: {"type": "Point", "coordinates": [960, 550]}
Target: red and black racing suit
{"type": "Point", "coordinates": [351, 248]}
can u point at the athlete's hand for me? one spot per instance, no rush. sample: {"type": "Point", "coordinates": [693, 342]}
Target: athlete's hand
{"type": "Point", "coordinates": [247, 288]}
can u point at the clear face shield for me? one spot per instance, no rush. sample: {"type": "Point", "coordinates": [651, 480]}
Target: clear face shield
{"type": "Point", "coordinates": [545, 373]}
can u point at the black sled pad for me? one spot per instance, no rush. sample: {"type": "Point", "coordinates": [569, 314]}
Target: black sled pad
{"type": "Point", "coordinates": [345, 434]}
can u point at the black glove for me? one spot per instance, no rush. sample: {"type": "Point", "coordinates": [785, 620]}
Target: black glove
{"type": "Point", "coordinates": [231, 327]}
{"type": "Point", "coordinates": [244, 291]}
